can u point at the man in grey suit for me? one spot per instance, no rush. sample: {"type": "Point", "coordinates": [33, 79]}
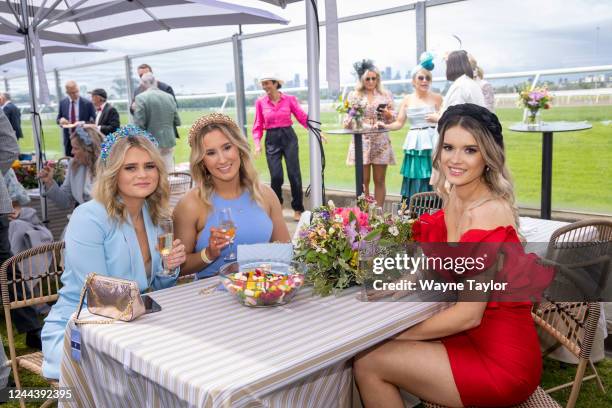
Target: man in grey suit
{"type": "Point", "coordinates": [146, 69]}
{"type": "Point", "coordinates": [156, 112]}
{"type": "Point", "coordinates": [25, 318]}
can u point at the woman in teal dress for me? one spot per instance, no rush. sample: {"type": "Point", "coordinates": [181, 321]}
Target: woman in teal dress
{"type": "Point", "coordinates": [115, 234]}
{"type": "Point", "coordinates": [418, 108]}
{"type": "Point", "coordinates": [224, 177]}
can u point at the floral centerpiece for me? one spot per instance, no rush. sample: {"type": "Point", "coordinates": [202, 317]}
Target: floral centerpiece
{"type": "Point", "coordinates": [26, 173]}
{"type": "Point", "coordinates": [533, 100]}
{"type": "Point", "coordinates": [330, 245]}
{"type": "Point", "coordinates": [354, 107]}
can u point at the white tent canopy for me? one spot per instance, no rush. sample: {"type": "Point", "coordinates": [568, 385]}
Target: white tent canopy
{"type": "Point", "coordinates": [12, 49]}
{"type": "Point", "coordinates": [86, 21]}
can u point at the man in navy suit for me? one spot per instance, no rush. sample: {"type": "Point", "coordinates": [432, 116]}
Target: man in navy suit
{"type": "Point", "coordinates": [12, 113]}
{"type": "Point", "coordinates": [74, 109]}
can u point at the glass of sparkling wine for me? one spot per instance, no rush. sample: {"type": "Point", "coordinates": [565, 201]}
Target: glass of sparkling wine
{"type": "Point", "coordinates": [226, 223]}
{"type": "Point", "coordinates": [164, 241]}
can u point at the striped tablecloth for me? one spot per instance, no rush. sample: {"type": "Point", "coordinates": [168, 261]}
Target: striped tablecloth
{"type": "Point", "coordinates": [209, 351]}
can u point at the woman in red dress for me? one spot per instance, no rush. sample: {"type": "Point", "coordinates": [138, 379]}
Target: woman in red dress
{"type": "Point", "coordinates": [472, 353]}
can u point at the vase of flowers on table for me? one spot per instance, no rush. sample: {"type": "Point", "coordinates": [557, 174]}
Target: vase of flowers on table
{"type": "Point", "coordinates": [331, 245]}
{"type": "Point", "coordinates": [533, 100]}
{"type": "Point", "coordinates": [353, 107]}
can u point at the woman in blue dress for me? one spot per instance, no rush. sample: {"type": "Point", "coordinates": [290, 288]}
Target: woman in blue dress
{"type": "Point", "coordinates": [419, 108]}
{"type": "Point", "coordinates": [115, 234]}
{"type": "Point", "coordinates": [224, 177]}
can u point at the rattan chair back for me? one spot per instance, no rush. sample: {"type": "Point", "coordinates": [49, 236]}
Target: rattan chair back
{"type": "Point", "coordinates": [421, 203]}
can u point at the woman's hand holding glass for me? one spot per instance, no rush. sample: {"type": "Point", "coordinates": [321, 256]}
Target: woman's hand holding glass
{"type": "Point", "coordinates": [171, 250]}
{"type": "Point", "coordinates": [175, 257]}
{"type": "Point", "coordinates": [218, 240]}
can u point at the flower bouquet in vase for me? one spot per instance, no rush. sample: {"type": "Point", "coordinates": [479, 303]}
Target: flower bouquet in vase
{"type": "Point", "coordinates": [533, 100]}
{"type": "Point", "coordinates": [353, 107]}
{"type": "Point", "coordinates": [337, 239]}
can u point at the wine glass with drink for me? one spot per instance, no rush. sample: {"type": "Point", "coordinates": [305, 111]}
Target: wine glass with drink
{"type": "Point", "coordinates": [226, 223]}
{"type": "Point", "coordinates": [165, 238]}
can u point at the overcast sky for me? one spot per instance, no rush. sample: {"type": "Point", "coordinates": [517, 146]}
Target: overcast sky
{"type": "Point", "coordinates": [504, 35]}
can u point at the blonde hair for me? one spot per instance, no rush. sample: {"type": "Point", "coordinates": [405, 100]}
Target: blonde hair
{"type": "Point", "coordinates": [92, 150]}
{"type": "Point", "coordinates": [360, 86]}
{"type": "Point", "coordinates": [106, 188]}
{"type": "Point", "coordinates": [496, 175]}
{"type": "Point", "coordinates": [249, 178]}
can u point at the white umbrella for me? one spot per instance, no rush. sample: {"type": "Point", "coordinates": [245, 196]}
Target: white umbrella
{"type": "Point", "coordinates": [12, 49]}
{"type": "Point", "coordinates": [86, 21]}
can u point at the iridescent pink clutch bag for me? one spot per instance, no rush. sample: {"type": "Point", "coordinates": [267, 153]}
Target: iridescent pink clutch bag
{"type": "Point", "coordinates": [117, 299]}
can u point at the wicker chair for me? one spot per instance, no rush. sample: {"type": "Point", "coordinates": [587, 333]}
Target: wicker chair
{"type": "Point", "coordinates": [421, 203]}
{"type": "Point", "coordinates": [47, 259]}
{"type": "Point", "coordinates": [573, 324]}
{"type": "Point", "coordinates": [64, 162]}
{"type": "Point", "coordinates": [539, 399]}
{"type": "Point", "coordinates": [180, 182]}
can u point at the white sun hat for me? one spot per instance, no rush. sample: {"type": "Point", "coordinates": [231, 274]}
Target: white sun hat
{"type": "Point", "coordinates": [272, 77]}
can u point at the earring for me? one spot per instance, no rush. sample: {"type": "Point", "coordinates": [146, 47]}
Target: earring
{"type": "Point", "coordinates": [487, 169]}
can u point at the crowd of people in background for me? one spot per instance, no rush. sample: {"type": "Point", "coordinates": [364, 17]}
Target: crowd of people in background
{"type": "Point", "coordinates": [118, 183]}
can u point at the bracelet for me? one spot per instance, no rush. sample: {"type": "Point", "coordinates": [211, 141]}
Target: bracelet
{"type": "Point", "coordinates": [205, 257]}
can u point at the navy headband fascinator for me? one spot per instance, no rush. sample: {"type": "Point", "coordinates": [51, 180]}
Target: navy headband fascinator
{"type": "Point", "coordinates": [362, 66]}
{"type": "Point", "coordinates": [485, 117]}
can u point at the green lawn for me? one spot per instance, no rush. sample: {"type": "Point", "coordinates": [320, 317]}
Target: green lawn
{"type": "Point", "coordinates": [582, 174]}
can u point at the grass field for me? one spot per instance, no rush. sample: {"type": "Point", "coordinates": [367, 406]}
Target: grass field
{"type": "Point", "coordinates": [582, 169]}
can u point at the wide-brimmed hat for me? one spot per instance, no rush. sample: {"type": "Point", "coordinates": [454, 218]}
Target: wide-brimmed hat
{"type": "Point", "coordinates": [272, 77]}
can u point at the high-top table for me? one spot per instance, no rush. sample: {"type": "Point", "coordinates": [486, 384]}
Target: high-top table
{"type": "Point", "coordinates": [358, 142]}
{"type": "Point", "coordinates": [547, 129]}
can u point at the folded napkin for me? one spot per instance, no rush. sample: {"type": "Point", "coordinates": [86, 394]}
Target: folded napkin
{"type": "Point", "coordinates": [265, 252]}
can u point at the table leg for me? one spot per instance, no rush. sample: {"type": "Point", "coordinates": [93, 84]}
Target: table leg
{"type": "Point", "coordinates": [547, 142]}
{"type": "Point", "coordinates": [358, 142]}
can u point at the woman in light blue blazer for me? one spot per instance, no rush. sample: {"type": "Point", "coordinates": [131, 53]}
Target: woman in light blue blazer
{"type": "Point", "coordinates": [77, 185]}
{"type": "Point", "coordinates": [115, 234]}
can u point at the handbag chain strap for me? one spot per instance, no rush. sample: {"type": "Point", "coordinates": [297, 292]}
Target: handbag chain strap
{"type": "Point", "coordinates": [111, 321]}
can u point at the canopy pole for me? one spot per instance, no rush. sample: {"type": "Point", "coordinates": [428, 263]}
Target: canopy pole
{"type": "Point", "coordinates": [36, 131]}
{"type": "Point", "coordinates": [128, 83]}
{"type": "Point", "coordinates": [314, 102]}
{"type": "Point", "coordinates": [239, 84]}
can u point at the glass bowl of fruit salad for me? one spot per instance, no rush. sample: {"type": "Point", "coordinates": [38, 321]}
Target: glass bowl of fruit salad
{"type": "Point", "coordinates": [263, 283]}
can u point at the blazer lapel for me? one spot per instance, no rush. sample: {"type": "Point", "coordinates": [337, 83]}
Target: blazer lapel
{"type": "Point", "coordinates": [152, 238]}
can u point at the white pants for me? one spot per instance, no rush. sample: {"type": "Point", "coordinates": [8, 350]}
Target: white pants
{"type": "Point", "coordinates": [167, 154]}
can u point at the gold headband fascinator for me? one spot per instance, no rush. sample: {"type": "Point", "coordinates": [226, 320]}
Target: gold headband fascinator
{"type": "Point", "coordinates": [212, 119]}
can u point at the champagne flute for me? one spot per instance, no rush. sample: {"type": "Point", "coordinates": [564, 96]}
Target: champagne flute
{"type": "Point", "coordinates": [165, 238]}
{"type": "Point", "coordinates": [226, 223]}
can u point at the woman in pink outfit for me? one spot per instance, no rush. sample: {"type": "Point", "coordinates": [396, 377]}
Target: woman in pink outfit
{"type": "Point", "coordinates": [273, 114]}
